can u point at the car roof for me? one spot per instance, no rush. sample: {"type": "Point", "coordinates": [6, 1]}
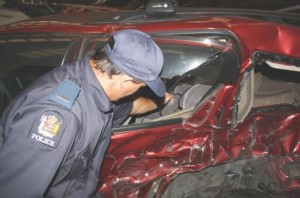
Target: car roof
{"type": "Point", "coordinates": [134, 16]}
{"type": "Point", "coordinates": [252, 27]}
{"type": "Point", "coordinates": [140, 16]}
{"type": "Point", "coordinates": [93, 21]}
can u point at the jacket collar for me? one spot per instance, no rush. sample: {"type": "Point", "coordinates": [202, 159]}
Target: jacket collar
{"type": "Point", "coordinates": [101, 99]}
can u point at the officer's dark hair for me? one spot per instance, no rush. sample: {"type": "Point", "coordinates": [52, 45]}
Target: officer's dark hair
{"type": "Point", "coordinates": [104, 64]}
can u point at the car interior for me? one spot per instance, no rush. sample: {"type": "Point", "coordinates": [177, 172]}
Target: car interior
{"type": "Point", "coordinates": [188, 89]}
{"type": "Point", "coordinates": [266, 86]}
{"type": "Point", "coordinates": [185, 98]}
{"type": "Point", "coordinates": [272, 87]}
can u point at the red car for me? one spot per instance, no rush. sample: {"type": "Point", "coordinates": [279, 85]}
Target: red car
{"type": "Point", "coordinates": [232, 128]}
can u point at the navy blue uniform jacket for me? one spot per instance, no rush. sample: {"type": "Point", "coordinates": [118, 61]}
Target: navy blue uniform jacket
{"type": "Point", "coordinates": [53, 136]}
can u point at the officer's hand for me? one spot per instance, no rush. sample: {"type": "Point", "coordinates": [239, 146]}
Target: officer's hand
{"type": "Point", "coordinates": [168, 97]}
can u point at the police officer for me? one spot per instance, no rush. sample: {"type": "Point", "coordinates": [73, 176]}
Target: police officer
{"type": "Point", "coordinates": [54, 135]}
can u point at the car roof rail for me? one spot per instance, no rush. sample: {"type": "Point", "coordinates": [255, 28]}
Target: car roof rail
{"type": "Point", "coordinates": [161, 7]}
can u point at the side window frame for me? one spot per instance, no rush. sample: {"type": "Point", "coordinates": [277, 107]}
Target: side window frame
{"type": "Point", "coordinates": [245, 97]}
{"type": "Point", "coordinates": [93, 41]}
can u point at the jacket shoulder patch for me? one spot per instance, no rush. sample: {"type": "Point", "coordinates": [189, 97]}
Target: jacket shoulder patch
{"type": "Point", "coordinates": [66, 93]}
{"type": "Point", "coordinates": [48, 128]}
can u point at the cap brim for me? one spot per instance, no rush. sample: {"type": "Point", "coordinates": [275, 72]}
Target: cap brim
{"type": "Point", "coordinates": [157, 86]}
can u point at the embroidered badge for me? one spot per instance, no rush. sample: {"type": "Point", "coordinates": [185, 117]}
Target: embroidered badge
{"type": "Point", "coordinates": [47, 128]}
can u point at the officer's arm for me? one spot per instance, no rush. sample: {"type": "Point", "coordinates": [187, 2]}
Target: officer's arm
{"type": "Point", "coordinates": [33, 150]}
{"type": "Point", "coordinates": [143, 105]}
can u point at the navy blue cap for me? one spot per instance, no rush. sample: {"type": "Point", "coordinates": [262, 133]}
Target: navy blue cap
{"type": "Point", "coordinates": [137, 55]}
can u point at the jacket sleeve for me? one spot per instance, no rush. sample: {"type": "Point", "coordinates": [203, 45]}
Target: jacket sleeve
{"type": "Point", "coordinates": [121, 111]}
{"type": "Point", "coordinates": [35, 144]}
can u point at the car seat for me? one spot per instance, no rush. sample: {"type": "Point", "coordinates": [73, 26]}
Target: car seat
{"type": "Point", "coordinates": [185, 97]}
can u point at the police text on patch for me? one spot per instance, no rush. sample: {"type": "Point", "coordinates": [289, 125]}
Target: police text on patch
{"type": "Point", "coordinates": [42, 139]}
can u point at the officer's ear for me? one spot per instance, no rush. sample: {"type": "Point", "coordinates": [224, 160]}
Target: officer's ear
{"type": "Point", "coordinates": [93, 63]}
{"type": "Point", "coordinates": [121, 79]}
{"type": "Point", "coordinates": [126, 79]}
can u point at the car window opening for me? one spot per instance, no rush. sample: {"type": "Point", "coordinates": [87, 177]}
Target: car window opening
{"type": "Point", "coordinates": [189, 89]}
{"type": "Point", "coordinates": [273, 86]}
{"type": "Point", "coordinates": [269, 88]}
